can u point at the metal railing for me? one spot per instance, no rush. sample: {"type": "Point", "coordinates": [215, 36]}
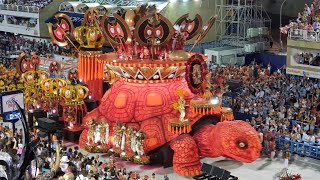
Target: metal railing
{"type": "Point", "coordinates": [299, 146]}
{"type": "Point", "coordinates": [12, 7]}
{"type": "Point", "coordinates": [304, 35]}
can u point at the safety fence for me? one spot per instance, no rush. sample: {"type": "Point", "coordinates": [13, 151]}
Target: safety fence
{"type": "Point", "coordinates": [298, 146]}
{"type": "Point", "coordinates": [304, 35]}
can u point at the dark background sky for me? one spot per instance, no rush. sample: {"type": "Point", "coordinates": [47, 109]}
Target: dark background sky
{"type": "Point", "coordinates": [290, 9]}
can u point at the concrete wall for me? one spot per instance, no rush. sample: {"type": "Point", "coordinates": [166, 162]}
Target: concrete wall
{"type": "Point", "coordinates": [206, 9]}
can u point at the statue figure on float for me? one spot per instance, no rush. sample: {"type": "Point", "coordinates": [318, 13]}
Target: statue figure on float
{"type": "Point", "coordinates": [139, 143]}
{"type": "Point", "coordinates": [208, 87]}
{"type": "Point", "coordinates": [134, 141]}
{"type": "Point", "coordinates": [144, 53]}
{"type": "Point", "coordinates": [97, 133]}
{"type": "Point", "coordinates": [104, 132]}
{"type": "Point", "coordinates": [123, 138]}
{"type": "Point", "coordinates": [91, 124]}
{"type": "Point", "coordinates": [129, 134]}
{"type": "Point", "coordinates": [117, 135]}
{"type": "Point", "coordinates": [181, 106]}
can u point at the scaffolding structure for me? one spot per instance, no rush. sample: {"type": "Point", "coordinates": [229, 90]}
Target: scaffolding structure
{"type": "Point", "coordinates": [243, 23]}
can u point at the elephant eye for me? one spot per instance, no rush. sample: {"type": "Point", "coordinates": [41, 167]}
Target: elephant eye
{"type": "Point", "coordinates": [242, 144]}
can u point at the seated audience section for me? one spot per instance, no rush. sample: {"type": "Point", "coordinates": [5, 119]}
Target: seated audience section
{"type": "Point", "coordinates": [303, 58]}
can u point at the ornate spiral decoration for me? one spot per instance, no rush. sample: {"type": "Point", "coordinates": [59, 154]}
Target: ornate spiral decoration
{"type": "Point", "coordinates": [74, 94]}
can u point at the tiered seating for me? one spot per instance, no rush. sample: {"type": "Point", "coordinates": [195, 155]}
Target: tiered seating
{"type": "Point", "coordinates": [19, 5]}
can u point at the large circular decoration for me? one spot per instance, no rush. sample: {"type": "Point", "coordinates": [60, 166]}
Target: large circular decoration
{"type": "Point", "coordinates": [33, 77]}
{"type": "Point", "coordinates": [73, 74]}
{"type": "Point", "coordinates": [117, 30]}
{"type": "Point", "coordinates": [192, 27]}
{"type": "Point", "coordinates": [161, 31]}
{"type": "Point", "coordinates": [54, 67]}
{"type": "Point", "coordinates": [23, 65]}
{"type": "Point", "coordinates": [196, 71]}
{"type": "Point", "coordinates": [60, 29]}
{"type": "Point", "coordinates": [206, 28]}
{"type": "Point", "coordinates": [52, 86]}
{"type": "Point", "coordinates": [74, 94]}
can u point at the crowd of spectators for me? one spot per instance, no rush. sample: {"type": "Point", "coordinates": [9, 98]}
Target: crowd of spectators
{"type": "Point", "coordinates": [306, 20]}
{"type": "Point", "coordinates": [21, 21]}
{"type": "Point", "coordinates": [54, 160]}
{"type": "Point", "coordinates": [307, 58]}
{"type": "Point", "coordinates": [8, 63]}
{"type": "Point", "coordinates": [11, 44]}
{"type": "Point", "coordinates": [70, 8]}
{"type": "Point", "coordinates": [66, 7]}
{"type": "Point", "coordinates": [35, 3]}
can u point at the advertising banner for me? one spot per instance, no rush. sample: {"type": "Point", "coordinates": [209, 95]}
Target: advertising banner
{"type": "Point", "coordinates": [9, 111]}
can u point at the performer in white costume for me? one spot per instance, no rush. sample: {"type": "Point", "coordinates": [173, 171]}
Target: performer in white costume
{"type": "Point", "coordinates": [107, 133]}
{"type": "Point", "coordinates": [97, 134]}
{"type": "Point", "coordinates": [117, 135]}
{"type": "Point", "coordinates": [133, 141]}
{"type": "Point", "coordinates": [123, 138]}
{"type": "Point", "coordinates": [91, 124]}
{"type": "Point", "coordinates": [104, 132]}
{"type": "Point", "coordinates": [139, 143]}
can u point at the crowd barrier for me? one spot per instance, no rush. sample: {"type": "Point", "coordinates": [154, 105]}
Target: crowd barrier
{"type": "Point", "coordinates": [12, 7]}
{"type": "Point", "coordinates": [299, 146]}
{"type": "Point", "coordinates": [304, 34]}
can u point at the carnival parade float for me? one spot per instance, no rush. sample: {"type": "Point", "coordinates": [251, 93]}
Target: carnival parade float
{"type": "Point", "coordinates": [163, 97]}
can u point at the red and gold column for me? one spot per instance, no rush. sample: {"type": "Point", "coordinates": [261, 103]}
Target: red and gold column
{"type": "Point", "coordinates": [91, 72]}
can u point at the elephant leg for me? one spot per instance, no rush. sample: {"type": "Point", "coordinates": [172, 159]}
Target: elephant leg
{"type": "Point", "coordinates": [186, 159]}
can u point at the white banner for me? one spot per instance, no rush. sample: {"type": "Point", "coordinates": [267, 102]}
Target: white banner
{"type": "Point", "coordinates": [8, 105]}
{"type": "Point", "coordinates": [300, 72]}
